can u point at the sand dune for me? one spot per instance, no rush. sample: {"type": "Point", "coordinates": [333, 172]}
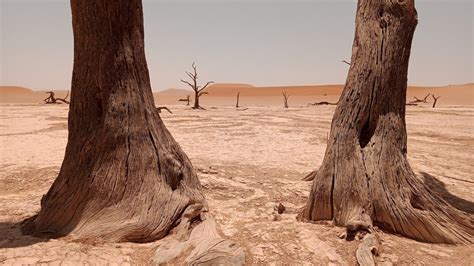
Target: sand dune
{"type": "Point", "coordinates": [17, 94]}
{"type": "Point", "coordinates": [224, 94]}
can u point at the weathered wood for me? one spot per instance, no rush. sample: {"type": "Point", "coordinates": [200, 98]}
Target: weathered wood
{"type": "Point", "coordinates": [124, 177]}
{"type": "Point", "coordinates": [201, 244]}
{"type": "Point", "coordinates": [367, 249]}
{"type": "Point", "coordinates": [365, 177]}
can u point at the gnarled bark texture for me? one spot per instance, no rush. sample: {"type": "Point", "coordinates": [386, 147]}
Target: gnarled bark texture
{"type": "Point", "coordinates": [123, 178]}
{"type": "Point", "coordinates": [365, 177]}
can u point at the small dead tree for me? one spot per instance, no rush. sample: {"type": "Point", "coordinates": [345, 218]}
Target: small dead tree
{"type": "Point", "coordinates": [237, 103]}
{"type": "Point", "coordinates": [286, 96]}
{"type": "Point", "coordinates": [187, 100]}
{"type": "Point", "coordinates": [435, 99]}
{"type": "Point", "coordinates": [51, 99]}
{"type": "Point", "coordinates": [198, 90]}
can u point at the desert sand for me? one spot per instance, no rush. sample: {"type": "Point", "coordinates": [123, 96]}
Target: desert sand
{"type": "Point", "coordinates": [248, 162]}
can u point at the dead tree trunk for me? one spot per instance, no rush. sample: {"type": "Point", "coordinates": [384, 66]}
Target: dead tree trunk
{"type": "Point", "coordinates": [435, 99]}
{"type": "Point", "coordinates": [124, 177]}
{"type": "Point", "coordinates": [286, 96]}
{"type": "Point", "coordinates": [198, 91]}
{"type": "Point", "coordinates": [365, 177]}
{"type": "Point", "coordinates": [237, 102]}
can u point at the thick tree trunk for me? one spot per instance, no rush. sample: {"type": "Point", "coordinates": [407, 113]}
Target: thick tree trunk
{"type": "Point", "coordinates": [123, 178]}
{"type": "Point", "coordinates": [365, 178]}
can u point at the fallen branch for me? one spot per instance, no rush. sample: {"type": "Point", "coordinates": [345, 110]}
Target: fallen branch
{"type": "Point", "coordinates": [321, 103]}
{"type": "Point", "coordinates": [51, 99]}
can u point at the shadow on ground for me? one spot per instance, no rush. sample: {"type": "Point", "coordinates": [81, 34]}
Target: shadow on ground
{"type": "Point", "coordinates": [11, 236]}
{"type": "Point", "coordinates": [439, 188]}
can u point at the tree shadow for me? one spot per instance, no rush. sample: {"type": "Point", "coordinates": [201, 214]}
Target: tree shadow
{"type": "Point", "coordinates": [12, 237]}
{"type": "Point", "coordinates": [439, 188]}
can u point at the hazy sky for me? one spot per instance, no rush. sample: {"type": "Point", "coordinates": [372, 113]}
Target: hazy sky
{"type": "Point", "coordinates": [260, 42]}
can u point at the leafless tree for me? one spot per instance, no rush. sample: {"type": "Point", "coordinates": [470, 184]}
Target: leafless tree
{"type": "Point", "coordinates": [198, 90]}
{"type": "Point", "coordinates": [51, 99]}
{"type": "Point", "coordinates": [286, 96]}
{"type": "Point", "coordinates": [435, 99]}
{"type": "Point", "coordinates": [187, 99]}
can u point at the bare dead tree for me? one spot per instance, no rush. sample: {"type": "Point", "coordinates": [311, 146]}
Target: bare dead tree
{"type": "Point", "coordinates": [187, 100]}
{"type": "Point", "coordinates": [286, 96]}
{"type": "Point", "coordinates": [51, 99]}
{"type": "Point", "coordinates": [198, 90]}
{"type": "Point", "coordinates": [344, 61]}
{"type": "Point", "coordinates": [435, 100]}
{"type": "Point", "coordinates": [237, 103]}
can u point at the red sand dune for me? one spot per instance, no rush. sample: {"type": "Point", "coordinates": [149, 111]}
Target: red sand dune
{"type": "Point", "coordinates": [225, 93]}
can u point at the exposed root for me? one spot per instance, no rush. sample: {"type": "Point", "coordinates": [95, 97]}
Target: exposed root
{"type": "Point", "coordinates": [202, 243]}
{"type": "Point", "coordinates": [310, 176]}
{"type": "Point", "coordinates": [368, 248]}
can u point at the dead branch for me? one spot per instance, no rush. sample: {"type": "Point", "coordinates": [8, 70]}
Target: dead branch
{"type": "Point", "coordinates": [344, 61]}
{"type": "Point", "coordinates": [51, 99]}
{"type": "Point", "coordinates": [435, 100]}
{"type": "Point", "coordinates": [322, 103]}
{"type": "Point", "coordinates": [163, 108]}
{"type": "Point", "coordinates": [417, 100]}
{"type": "Point", "coordinates": [286, 96]}
{"type": "Point", "coordinates": [203, 93]}
{"type": "Point", "coordinates": [187, 100]}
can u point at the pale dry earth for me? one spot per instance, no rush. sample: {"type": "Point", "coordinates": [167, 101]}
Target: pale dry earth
{"type": "Point", "coordinates": [248, 161]}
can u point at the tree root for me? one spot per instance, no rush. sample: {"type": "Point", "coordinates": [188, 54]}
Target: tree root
{"type": "Point", "coordinates": [197, 236]}
{"type": "Point", "coordinates": [310, 176]}
{"type": "Point", "coordinates": [368, 248]}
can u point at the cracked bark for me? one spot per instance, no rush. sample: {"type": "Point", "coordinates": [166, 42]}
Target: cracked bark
{"type": "Point", "coordinates": [365, 177]}
{"type": "Point", "coordinates": [124, 177]}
